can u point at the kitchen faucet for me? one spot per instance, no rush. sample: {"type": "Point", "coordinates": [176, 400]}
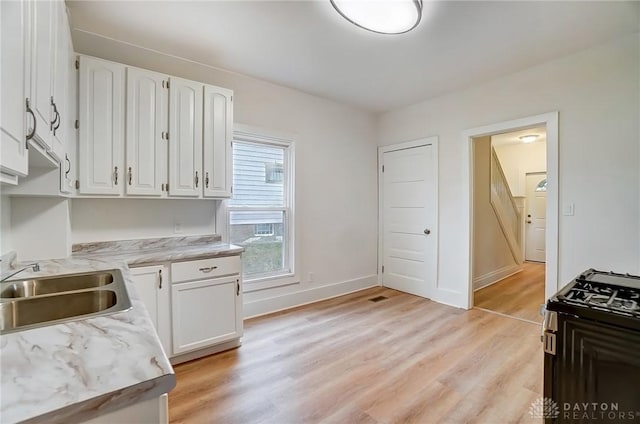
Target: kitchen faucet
{"type": "Point", "coordinates": [35, 267]}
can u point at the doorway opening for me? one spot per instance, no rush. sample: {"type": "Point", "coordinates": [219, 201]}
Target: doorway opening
{"type": "Point", "coordinates": [509, 210]}
{"type": "Point", "coordinates": [549, 122]}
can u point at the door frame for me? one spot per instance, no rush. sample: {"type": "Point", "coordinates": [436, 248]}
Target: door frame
{"type": "Point", "coordinates": [550, 121]}
{"type": "Point", "coordinates": [433, 141]}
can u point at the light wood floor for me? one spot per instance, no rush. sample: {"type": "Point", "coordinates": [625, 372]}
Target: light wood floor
{"type": "Point", "coordinates": [519, 295]}
{"type": "Point", "coordinates": [349, 360]}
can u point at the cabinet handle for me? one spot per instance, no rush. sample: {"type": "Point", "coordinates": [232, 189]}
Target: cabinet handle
{"type": "Point", "coordinates": [197, 179]}
{"type": "Point", "coordinates": [160, 278]}
{"type": "Point", "coordinates": [130, 175]}
{"type": "Point", "coordinates": [115, 174]}
{"type": "Point", "coordinates": [58, 117]}
{"type": "Point", "coordinates": [35, 122]}
{"type": "Point", "coordinates": [55, 119]}
{"type": "Point", "coordinates": [238, 287]}
{"type": "Point", "coordinates": [66, 158]}
{"type": "Point", "coordinates": [206, 180]}
{"type": "Point", "coordinates": [208, 269]}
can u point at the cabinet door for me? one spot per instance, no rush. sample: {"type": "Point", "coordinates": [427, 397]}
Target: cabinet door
{"type": "Point", "coordinates": [205, 313]}
{"type": "Point", "coordinates": [101, 134]}
{"type": "Point", "coordinates": [146, 125]}
{"type": "Point", "coordinates": [152, 285]}
{"type": "Point", "coordinates": [59, 79]}
{"type": "Point", "coordinates": [69, 167]}
{"type": "Point", "coordinates": [218, 134]}
{"type": "Point", "coordinates": [14, 39]}
{"type": "Point", "coordinates": [185, 138]}
{"type": "Point", "coordinates": [42, 46]}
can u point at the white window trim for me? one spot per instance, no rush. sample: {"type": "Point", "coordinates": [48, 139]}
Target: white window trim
{"type": "Point", "coordinates": [262, 136]}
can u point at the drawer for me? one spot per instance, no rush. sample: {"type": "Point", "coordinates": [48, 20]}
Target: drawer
{"type": "Point", "coordinates": [204, 268]}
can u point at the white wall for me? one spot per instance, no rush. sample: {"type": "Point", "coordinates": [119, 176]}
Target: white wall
{"type": "Point", "coordinates": [40, 228]}
{"type": "Point", "coordinates": [6, 241]}
{"type": "Point", "coordinates": [597, 95]}
{"type": "Point", "coordinates": [492, 258]}
{"type": "Point", "coordinates": [517, 160]}
{"type": "Point", "coordinates": [121, 219]}
{"type": "Point", "coordinates": [336, 173]}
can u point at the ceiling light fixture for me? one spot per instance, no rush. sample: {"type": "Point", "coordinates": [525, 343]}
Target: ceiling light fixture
{"type": "Point", "coordinates": [529, 138]}
{"type": "Point", "coordinates": [381, 16]}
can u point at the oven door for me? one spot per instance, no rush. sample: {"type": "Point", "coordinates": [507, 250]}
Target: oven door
{"type": "Point", "coordinates": [594, 372]}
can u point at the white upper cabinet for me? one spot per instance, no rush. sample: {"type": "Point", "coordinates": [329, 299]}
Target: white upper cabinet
{"type": "Point", "coordinates": [101, 136]}
{"type": "Point", "coordinates": [68, 169]}
{"type": "Point", "coordinates": [217, 137]}
{"type": "Point", "coordinates": [185, 138]}
{"type": "Point", "coordinates": [142, 133]}
{"type": "Point", "coordinates": [14, 36]}
{"type": "Point", "coordinates": [145, 133]}
{"type": "Point", "coordinates": [62, 58]}
{"type": "Point", "coordinates": [42, 47]}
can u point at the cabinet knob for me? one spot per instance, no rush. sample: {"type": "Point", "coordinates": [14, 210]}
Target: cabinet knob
{"type": "Point", "coordinates": [427, 231]}
{"type": "Point", "coordinates": [197, 179]}
{"type": "Point", "coordinates": [130, 175]}
{"type": "Point", "coordinates": [206, 180]}
{"type": "Point", "coordinates": [160, 278]}
{"type": "Point", "coordinates": [115, 175]}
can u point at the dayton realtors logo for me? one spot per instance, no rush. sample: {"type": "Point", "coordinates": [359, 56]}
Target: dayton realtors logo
{"type": "Point", "coordinates": [544, 408]}
{"type": "Point", "coordinates": [597, 411]}
{"type": "Point", "coordinates": [581, 411]}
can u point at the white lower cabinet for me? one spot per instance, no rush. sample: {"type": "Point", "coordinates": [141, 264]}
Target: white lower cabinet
{"type": "Point", "coordinates": [205, 313]}
{"type": "Point", "coordinates": [151, 411]}
{"type": "Point", "coordinates": [153, 286]}
{"type": "Point", "coordinates": [193, 304]}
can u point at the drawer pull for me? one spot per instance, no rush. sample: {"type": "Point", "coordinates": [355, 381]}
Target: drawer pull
{"type": "Point", "coordinates": [208, 269]}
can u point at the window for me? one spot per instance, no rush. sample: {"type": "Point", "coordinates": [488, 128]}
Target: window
{"type": "Point", "coordinates": [263, 229]}
{"type": "Point", "coordinates": [274, 173]}
{"type": "Point", "coordinates": [542, 185]}
{"type": "Point", "coordinates": [260, 213]}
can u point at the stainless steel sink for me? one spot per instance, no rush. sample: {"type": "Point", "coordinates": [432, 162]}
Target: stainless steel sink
{"type": "Point", "coordinates": [39, 302]}
{"type": "Point", "coordinates": [42, 286]}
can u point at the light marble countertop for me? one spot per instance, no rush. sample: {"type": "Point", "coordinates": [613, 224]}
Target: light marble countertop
{"type": "Point", "coordinates": [77, 370]}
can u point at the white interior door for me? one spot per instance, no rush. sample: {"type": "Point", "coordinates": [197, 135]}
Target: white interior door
{"type": "Point", "coordinates": [536, 217]}
{"type": "Point", "coordinates": [409, 233]}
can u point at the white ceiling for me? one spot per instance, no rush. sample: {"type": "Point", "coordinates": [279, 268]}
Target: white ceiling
{"type": "Point", "coordinates": [514, 136]}
{"type": "Point", "coordinates": [306, 45]}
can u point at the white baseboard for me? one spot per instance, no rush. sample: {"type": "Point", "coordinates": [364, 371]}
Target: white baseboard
{"type": "Point", "coordinates": [449, 298]}
{"type": "Point", "coordinates": [495, 276]}
{"type": "Point", "coordinates": [315, 294]}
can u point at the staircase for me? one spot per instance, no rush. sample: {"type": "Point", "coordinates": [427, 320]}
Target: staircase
{"type": "Point", "coordinates": [506, 210]}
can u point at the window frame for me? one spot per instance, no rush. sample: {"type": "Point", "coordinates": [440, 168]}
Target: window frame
{"type": "Point", "coordinates": [251, 135]}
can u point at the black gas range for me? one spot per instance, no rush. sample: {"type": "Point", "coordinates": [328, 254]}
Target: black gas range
{"type": "Point", "coordinates": [591, 336]}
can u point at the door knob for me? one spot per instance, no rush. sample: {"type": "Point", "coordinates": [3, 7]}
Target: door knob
{"type": "Point", "coordinates": [427, 231]}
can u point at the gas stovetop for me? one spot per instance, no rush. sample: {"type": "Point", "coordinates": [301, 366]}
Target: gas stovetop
{"type": "Point", "coordinates": [605, 292]}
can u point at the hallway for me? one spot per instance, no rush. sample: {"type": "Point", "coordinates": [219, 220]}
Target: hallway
{"type": "Point", "coordinates": [519, 295]}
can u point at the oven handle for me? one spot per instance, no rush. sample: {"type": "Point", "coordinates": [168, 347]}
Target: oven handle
{"type": "Point", "coordinates": [549, 329]}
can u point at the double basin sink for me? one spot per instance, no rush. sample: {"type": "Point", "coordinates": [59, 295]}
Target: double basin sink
{"type": "Point", "coordinates": [38, 302]}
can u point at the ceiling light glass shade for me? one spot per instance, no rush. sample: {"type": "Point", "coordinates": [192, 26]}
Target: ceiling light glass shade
{"type": "Point", "coordinates": [382, 16]}
{"type": "Point", "coordinates": [528, 138]}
